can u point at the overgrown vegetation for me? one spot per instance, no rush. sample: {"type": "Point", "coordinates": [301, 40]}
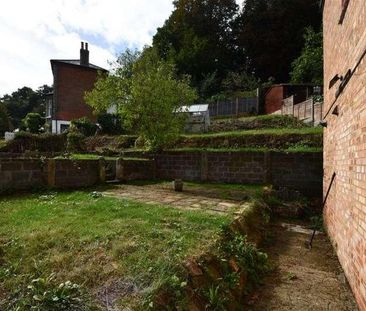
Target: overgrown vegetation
{"type": "Point", "coordinates": [231, 268]}
{"type": "Point", "coordinates": [25, 141]}
{"type": "Point", "coordinates": [255, 122]}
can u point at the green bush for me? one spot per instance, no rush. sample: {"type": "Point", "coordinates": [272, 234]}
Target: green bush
{"type": "Point", "coordinates": [45, 142]}
{"type": "Point", "coordinates": [84, 126]}
{"type": "Point", "coordinates": [75, 141]}
{"type": "Point", "coordinates": [33, 122]}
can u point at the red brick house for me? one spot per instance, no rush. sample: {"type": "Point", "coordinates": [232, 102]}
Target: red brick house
{"type": "Point", "coordinates": [71, 79]}
{"type": "Point", "coordinates": [344, 27]}
{"type": "Point", "coordinates": [274, 95]}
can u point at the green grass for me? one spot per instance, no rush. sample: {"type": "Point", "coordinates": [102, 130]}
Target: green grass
{"type": "Point", "coordinates": [84, 156]}
{"type": "Point", "coordinates": [282, 131]}
{"type": "Point", "coordinates": [295, 149]}
{"type": "Point", "coordinates": [91, 240]}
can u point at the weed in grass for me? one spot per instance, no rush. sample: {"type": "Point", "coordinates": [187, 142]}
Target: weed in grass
{"type": "Point", "coordinates": [216, 300]}
{"type": "Point", "coordinates": [248, 256]}
{"type": "Point", "coordinates": [290, 276]}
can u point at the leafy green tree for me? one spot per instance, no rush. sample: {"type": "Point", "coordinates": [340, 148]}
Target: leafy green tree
{"type": "Point", "coordinates": [25, 100]}
{"type": "Point", "coordinates": [33, 122]}
{"type": "Point", "coordinates": [4, 120]}
{"type": "Point", "coordinates": [308, 67]}
{"type": "Point", "coordinates": [148, 94]}
{"type": "Point", "coordinates": [236, 82]}
{"type": "Point", "coordinates": [271, 33]}
{"type": "Point", "coordinates": [199, 38]}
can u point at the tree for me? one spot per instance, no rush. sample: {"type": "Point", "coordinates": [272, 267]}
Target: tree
{"type": "Point", "coordinates": [236, 82]}
{"type": "Point", "coordinates": [25, 100]}
{"type": "Point", "coordinates": [308, 67]}
{"type": "Point", "coordinates": [33, 122]}
{"type": "Point", "coordinates": [271, 33]}
{"type": "Point", "coordinates": [4, 120]}
{"type": "Point", "coordinates": [148, 93]}
{"type": "Point", "coordinates": [199, 38]}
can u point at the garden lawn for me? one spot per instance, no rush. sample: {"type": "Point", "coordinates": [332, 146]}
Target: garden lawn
{"type": "Point", "coordinates": [93, 241]}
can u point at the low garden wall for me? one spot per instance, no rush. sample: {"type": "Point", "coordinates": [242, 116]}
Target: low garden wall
{"type": "Point", "coordinates": [21, 174]}
{"type": "Point", "coordinates": [298, 171]}
{"type": "Point", "coordinates": [27, 174]}
{"type": "Point", "coordinates": [135, 169]}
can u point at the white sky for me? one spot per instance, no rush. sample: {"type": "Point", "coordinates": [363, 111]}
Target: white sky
{"type": "Point", "coordinates": [34, 31]}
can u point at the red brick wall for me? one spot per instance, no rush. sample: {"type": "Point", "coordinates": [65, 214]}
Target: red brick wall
{"type": "Point", "coordinates": [345, 140]}
{"type": "Point", "coordinates": [273, 99]}
{"type": "Point", "coordinates": [72, 82]}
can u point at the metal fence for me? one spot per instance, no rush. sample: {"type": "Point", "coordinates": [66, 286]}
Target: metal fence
{"type": "Point", "coordinates": [235, 107]}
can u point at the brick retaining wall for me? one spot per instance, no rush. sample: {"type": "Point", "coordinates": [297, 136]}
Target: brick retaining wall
{"type": "Point", "coordinates": [298, 171]}
{"type": "Point", "coordinates": [26, 174]}
{"type": "Point", "coordinates": [20, 174]}
{"type": "Point", "coordinates": [140, 169]}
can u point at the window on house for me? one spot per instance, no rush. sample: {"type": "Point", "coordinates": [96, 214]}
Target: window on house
{"type": "Point", "coordinates": [345, 4]}
{"type": "Point", "coordinates": [49, 108]}
{"type": "Point", "coordinates": [64, 127]}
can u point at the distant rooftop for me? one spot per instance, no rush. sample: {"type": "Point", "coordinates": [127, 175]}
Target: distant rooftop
{"type": "Point", "coordinates": [83, 61]}
{"type": "Point", "coordinates": [76, 62]}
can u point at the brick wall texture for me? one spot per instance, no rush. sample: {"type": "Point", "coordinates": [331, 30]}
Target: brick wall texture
{"type": "Point", "coordinates": [75, 174]}
{"type": "Point", "coordinates": [345, 140]}
{"type": "Point", "coordinates": [20, 174]}
{"type": "Point", "coordinates": [71, 84]}
{"type": "Point", "coordinates": [27, 174]}
{"type": "Point", "coordinates": [302, 172]}
{"type": "Point", "coordinates": [298, 171]}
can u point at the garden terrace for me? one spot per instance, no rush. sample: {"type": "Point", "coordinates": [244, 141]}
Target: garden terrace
{"type": "Point", "coordinates": [255, 122]}
{"type": "Point", "coordinates": [266, 139]}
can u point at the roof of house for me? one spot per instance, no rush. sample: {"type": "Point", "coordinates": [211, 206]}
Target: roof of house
{"type": "Point", "coordinates": [76, 62]}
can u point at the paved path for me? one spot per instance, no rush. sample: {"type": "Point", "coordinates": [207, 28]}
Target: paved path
{"type": "Point", "coordinates": [164, 195]}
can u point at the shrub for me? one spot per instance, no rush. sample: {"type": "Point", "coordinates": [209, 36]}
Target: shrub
{"type": "Point", "coordinates": [75, 141]}
{"type": "Point", "coordinates": [33, 122]}
{"type": "Point", "coordinates": [84, 126]}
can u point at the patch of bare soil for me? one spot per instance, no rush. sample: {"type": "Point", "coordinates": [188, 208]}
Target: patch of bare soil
{"type": "Point", "coordinates": [303, 279]}
{"type": "Point", "coordinates": [110, 293]}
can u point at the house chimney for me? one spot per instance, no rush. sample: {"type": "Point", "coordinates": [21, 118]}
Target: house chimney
{"type": "Point", "coordinates": [84, 54]}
